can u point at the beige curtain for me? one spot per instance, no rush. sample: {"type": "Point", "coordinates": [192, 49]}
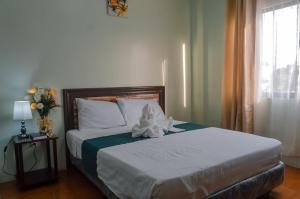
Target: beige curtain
{"type": "Point", "coordinates": [238, 72]}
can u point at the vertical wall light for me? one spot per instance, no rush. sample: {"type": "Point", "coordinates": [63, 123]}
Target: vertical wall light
{"type": "Point", "coordinates": [164, 72]}
{"type": "Point", "coordinates": [184, 73]}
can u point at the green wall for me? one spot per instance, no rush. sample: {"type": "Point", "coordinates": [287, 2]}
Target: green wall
{"type": "Point", "coordinates": [73, 44]}
{"type": "Point", "coordinates": [207, 43]}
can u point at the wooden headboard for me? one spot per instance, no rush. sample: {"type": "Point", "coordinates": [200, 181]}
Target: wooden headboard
{"type": "Point", "coordinates": [107, 94]}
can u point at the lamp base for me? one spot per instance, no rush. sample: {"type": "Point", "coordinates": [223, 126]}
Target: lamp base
{"type": "Point", "coordinates": [23, 136]}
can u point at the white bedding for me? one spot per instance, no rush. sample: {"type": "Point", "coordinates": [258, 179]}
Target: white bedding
{"type": "Point", "coordinates": [76, 137]}
{"type": "Point", "coordinates": [184, 165]}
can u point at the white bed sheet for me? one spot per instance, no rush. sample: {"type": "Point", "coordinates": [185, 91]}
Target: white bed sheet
{"type": "Point", "coordinates": [185, 165]}
{"type": "Point", "coordinates": [195, 163]}
{"type": "Point", "coordinates": [76, 137]}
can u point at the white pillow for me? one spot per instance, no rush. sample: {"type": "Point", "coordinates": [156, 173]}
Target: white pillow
{"type": "Point", "coordinates": [98, 114]}
{"type": "Point", "coordinates": [132, 109]}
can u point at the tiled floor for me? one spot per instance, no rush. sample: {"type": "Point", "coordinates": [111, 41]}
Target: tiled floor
{"type": "Point", "coordinates": [72, 185]}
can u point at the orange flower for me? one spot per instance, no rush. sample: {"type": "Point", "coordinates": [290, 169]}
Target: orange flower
{"type": "Point", "coordinates": [32, 90]}
{"type": "Point", "coordinates": [52, 92]}
{"type": "Point", "coordinates": [114, 3]}
{"type": "Point", "coordinates": [33, 106]}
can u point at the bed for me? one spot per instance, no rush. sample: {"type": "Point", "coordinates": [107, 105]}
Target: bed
{"type": "Point", "coordinates": [232, 165]}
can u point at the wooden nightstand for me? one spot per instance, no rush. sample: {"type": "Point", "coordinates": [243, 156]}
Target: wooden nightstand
{"type": "Point", "coordinates": [36, 177]}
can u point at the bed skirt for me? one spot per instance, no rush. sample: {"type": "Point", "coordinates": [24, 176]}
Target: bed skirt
{"type": "Point", "coordinates": [250, 188]}
{"type": "Point", "coordinates": [253, 187]}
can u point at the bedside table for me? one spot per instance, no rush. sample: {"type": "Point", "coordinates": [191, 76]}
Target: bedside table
{"type": "Point", "coordinates": [36, 177]}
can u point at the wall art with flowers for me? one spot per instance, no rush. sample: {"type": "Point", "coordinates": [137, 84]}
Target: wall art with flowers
{"type": "Point", "coordinates": [43, 100]}
{"type": "Point", "coordinates": [117, 8]}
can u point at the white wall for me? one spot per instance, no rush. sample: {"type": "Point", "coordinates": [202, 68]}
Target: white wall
{"type": "Point", "coordinates": [73, 44]}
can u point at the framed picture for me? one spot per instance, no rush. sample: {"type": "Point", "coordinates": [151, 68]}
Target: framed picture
{"type": "Point", "coordinates": [117, 8]}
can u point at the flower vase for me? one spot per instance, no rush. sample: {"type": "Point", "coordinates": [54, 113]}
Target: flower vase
{"type": "Point", "coordinates": [46, 125]}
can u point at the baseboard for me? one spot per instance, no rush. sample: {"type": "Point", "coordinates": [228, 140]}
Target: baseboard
{"type": "Point", "coordinates": [291, 161]}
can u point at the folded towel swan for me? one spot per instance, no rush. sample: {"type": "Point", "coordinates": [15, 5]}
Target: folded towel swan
{"type": "Point", "coordinates": [149, 126]}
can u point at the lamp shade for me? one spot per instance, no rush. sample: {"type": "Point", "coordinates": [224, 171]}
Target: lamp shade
{"type": "Point", "coordinates": [22, 110]}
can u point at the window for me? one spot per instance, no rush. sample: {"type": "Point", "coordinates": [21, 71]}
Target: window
{"type": "Point", "coordinates": [279, 51]}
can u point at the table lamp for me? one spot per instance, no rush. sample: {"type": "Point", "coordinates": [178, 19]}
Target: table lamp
{"type": "Point", "coordinates": [22, 112]}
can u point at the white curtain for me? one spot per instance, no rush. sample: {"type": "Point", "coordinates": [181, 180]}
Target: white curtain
{"type": "Point", "coordinates": [277, 107]}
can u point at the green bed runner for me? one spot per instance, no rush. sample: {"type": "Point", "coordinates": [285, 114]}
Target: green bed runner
{"type": "Point", "coordinates": [90, 147]}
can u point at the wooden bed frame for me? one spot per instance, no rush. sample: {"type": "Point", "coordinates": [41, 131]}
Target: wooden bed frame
{"type": "Point", "coordinates": [259, 185]}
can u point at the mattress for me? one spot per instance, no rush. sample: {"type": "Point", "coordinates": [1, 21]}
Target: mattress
{"type": "Point", "coordinates": [76, 137]}
{"type": "Point", "coordinates": [183, 165]}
